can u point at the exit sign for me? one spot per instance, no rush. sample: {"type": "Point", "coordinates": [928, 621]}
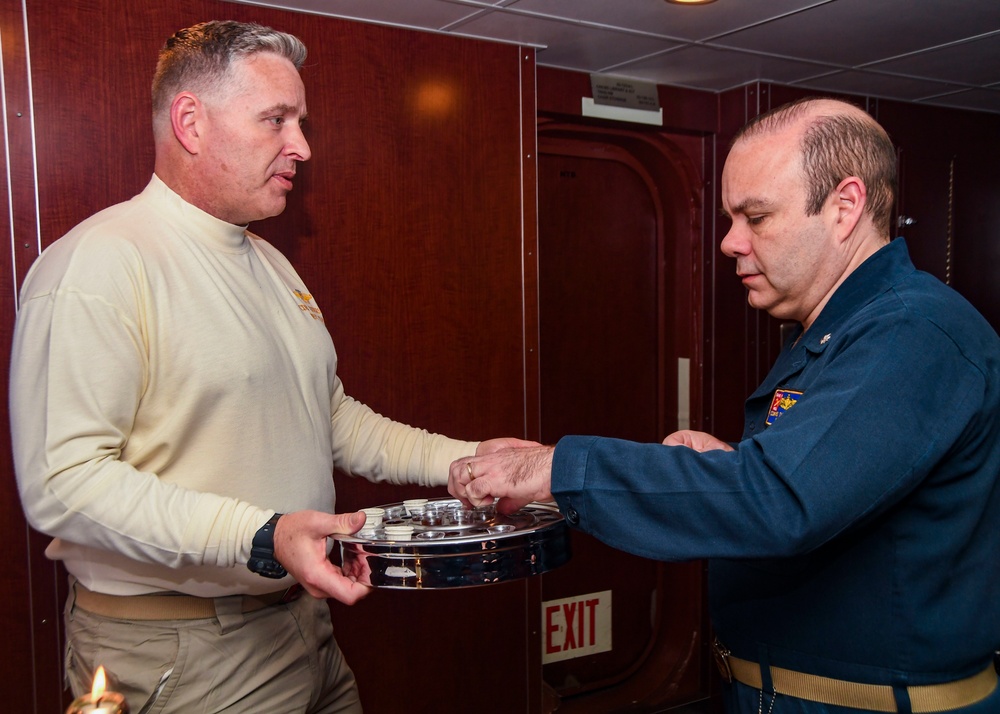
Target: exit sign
{"type": "Point", "coordinates": [576, 626]}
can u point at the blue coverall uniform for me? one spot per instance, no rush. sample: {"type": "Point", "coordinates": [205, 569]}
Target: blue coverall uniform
{"type": "Point", "coordinates": [854, 532]}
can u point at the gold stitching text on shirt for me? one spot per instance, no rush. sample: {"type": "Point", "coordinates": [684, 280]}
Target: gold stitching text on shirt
{"type": "Point", "coordinates": [311, 310]}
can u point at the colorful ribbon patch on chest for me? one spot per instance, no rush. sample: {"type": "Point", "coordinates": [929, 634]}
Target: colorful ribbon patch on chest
{"type": "Point", "coordinates": [784, 399]}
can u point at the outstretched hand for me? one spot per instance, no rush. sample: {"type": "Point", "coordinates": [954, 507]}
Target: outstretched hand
{"type": "Point", "coordinates": [511, 477]}
{"type": "Point", "coordinates": [300, 546]}
{"type": "Point", "coordinates": [491, 445]}
{"type": "Point", "coordinates": [697, 440]}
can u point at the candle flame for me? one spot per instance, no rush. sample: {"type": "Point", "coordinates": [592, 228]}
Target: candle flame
{"type": "Point", "coordinates": [100, 683]}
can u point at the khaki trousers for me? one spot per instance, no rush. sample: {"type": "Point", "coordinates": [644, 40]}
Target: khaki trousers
{"type": "Point", "coordinates": [282, 659]}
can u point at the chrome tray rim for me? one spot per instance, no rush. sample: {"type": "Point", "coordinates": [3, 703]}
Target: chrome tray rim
{"type": "Point", "coordinates": [461, 561]}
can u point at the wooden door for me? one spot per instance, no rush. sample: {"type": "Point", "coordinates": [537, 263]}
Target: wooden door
{"type": "Point", "coordinates": [612, 343]}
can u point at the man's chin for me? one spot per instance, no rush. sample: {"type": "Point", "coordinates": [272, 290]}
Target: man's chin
{"type": "Point", "coordinates": [758, 302]}
{"type": "Point", "coordinates": [269, 211]}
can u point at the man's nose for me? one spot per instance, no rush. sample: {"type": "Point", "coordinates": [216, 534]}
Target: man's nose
{"type": "Point", "coordinates": [299, 147]}
{"type": "Point", "coordinates": [732, 244]}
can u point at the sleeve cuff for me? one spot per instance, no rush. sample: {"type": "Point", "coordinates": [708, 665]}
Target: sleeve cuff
{"type": "Point", "coordinates": [569, 476]}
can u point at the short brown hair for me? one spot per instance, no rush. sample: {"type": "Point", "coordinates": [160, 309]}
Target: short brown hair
{"type": "Point", "coordinates": [834, 146]}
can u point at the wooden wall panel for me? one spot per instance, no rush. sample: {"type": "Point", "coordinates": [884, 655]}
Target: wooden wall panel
{"type": "Point", "coordinates": [408, 226]}
{"type": "Point", "coordinates": [950, 185]}
{"type": "Point", "coordinates": [29, 583]}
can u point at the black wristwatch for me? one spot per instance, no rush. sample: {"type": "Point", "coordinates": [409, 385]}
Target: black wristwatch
{"type": "Point", "coordinates": [262, 559]}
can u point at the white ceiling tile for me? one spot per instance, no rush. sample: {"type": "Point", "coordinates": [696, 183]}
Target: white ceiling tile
{"type": "Point", "coordinates": [855, 32]}
{"type": "Point", "coordinates": [566, 45]}
{"type": "Point", "coordinates": [877, 85]}
{"type": "Point", "coordinates": [974, 62]}
{"type": "Point", "coordinates": [660, 17]}
{"type": "Point", "coordinates": [421, 14]}
{"type": "Point", "coordinates": [976, 99]}
{"type": "Point", "coordinates": [907, 46]}
{"type": "Point", "coordinates": [717, 69]}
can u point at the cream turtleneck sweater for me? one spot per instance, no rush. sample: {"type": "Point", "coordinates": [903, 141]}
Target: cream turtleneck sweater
{"type": "Point", "coordinates": [172, 385]}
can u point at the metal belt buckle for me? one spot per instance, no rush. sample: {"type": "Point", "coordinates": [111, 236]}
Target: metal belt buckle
{"type": "Point", "coordinates": [722, 660]}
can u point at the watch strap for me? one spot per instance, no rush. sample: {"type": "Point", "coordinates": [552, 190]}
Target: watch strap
{"type": "Point", "coordinates": [262, 560]}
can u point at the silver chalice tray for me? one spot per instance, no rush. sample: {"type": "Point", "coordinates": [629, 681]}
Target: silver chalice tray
{"type": "Point", "coordinates": [438, 543]}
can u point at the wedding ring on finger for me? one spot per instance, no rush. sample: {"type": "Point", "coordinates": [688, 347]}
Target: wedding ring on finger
{"type": "Point", "coordinates": [468, 467]}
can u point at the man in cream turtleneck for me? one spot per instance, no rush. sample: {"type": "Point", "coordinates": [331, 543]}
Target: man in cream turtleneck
{"type": "Point", "coordinates": [174, 391]}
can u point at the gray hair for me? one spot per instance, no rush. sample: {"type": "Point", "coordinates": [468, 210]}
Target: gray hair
{"type": "Point", "coordinates": [198, 58]}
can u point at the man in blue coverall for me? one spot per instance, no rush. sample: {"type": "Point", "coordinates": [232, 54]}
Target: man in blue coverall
{"type": "Point", "coordinates": [854, 532]}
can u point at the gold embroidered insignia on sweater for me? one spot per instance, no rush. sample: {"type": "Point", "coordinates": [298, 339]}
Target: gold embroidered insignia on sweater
{"type": "Point", "coordinates": [312, 310]}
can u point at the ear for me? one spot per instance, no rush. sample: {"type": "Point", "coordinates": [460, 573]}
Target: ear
{"type": "Point", "coordinates": [187, 114]}
{"type": "Point", "coordinates": [848, 200]}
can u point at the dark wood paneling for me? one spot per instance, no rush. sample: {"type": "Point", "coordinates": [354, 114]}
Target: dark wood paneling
{"type": "Point", "coordinates": [739, 336]}
{"type": "Point", "coordinates": [529, 148]}
{"type": "Point", "coordinates": [950, 185]}
{"type": "Point", "coordinates": [539, 696]}
{"type": "Point", "coordinates": [599, 232]}
{"type": "Point", "coordinates": [30, 603]}
{"type": "Point", "coordinates": [975, 255]}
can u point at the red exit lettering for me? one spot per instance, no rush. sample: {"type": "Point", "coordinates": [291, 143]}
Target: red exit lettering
{"type": "Point", "coordinates": [570, 625]}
